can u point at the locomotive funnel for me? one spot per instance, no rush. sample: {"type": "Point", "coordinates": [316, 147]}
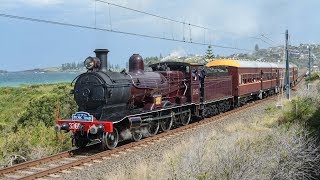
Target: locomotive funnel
{"type": "Point", "coordinates": [102, 54]}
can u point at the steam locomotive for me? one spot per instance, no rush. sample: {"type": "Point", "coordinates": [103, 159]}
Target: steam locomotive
{"type": "Point", "coordinates": [116, 106]}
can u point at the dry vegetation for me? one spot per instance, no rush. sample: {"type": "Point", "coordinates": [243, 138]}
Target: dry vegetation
{"type": "Point", "coordinates": [283, 145]}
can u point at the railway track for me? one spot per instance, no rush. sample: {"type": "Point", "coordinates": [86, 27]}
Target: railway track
{"type": "Point", "coordinates": [64, 162]}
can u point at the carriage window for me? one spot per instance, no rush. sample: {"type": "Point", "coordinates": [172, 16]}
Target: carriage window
{"type": "Point", "coordinates": [217, 71]}
{"type": "Point", "coordinates": [250, 78]}
{"type": "Point", "coordinates": [257, 77]}
{"type": "Point", "coordinates": [244, 79]}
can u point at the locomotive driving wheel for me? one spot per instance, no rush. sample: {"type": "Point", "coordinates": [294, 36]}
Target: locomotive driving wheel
{"type": "Point", "coordinates": [110, 139]}
{"type": "Point", "coordinates": [206, 112]}
{"type": "Point", "coordinates": [185, 118]}
{"type": "Point", "coordinates": [153, 128]}
{"type": "Point", "coordinates": [136, 136]}
{"type": "Point", "coordinates": [166, 123]}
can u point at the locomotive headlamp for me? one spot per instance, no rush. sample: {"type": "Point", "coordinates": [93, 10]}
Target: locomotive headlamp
{"type": "Point", "coordinates": [57, 127]}
{"type": "Point", "coordinates": [93, 129]}
{"type": "Point", "coordinates": [65, 126]}
{"type": "Point", "coordinates": [91, 63]}
{"type": "Point", "coordinates": [100, 128]}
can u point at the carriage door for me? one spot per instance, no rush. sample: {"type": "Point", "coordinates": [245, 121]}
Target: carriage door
{"type": "Point", "coordinates": [195, 84]}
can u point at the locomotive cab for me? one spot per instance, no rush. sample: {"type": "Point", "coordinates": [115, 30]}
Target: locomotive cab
{"type": "Point", "coordinates": [190, 74]}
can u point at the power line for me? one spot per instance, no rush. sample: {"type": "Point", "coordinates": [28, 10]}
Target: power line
{"type": "Point", "coordinates": [262, 35]}
{"type": "Point", "coordinates": [166, 18]}
{"type": "Point", "coordinates": [150, 14]}
{"type": "Point", "coordinates": [114, 31]}
{"type": "Point", "coordinates": [261, 40]}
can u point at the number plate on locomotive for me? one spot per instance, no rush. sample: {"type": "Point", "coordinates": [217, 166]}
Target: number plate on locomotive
{"type": "Point", "coordinates": [74, 125]}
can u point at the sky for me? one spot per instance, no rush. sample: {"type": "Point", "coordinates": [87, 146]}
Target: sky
{"type": "Point", "coordinates": [28, 45]}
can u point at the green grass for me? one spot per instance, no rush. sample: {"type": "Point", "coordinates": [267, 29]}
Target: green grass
{"type": "Point", "coordinates": [27, 118]}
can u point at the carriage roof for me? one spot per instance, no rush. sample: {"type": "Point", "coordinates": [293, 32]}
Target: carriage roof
{"type": "Point", "coordinates": [246, 64]}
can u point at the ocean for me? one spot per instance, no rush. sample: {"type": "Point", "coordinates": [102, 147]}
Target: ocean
{"type": "Point", "coordinates": [15, 79]}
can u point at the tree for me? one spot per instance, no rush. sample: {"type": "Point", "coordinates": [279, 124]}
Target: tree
{"type": "Point", "coordinates": [209, 54]}
{"type": "Point", "coordinates": [151, 60]}
{"type": "Point", "coordinates": [256, 47]}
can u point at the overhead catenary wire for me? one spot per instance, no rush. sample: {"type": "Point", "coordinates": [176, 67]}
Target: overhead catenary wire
{"type": "Point", "coordinates": [253, 37]}
{"type": "Point", "coordinates": [170, 19]}
{"type": "Point", "coordinates": [151, 14]}
{"type": "Point", "coordinates": [262, 35]}
{"type": "Point", "coordinates": [142, 35]}
{"type": "Point", "coordinates": [114, 31]}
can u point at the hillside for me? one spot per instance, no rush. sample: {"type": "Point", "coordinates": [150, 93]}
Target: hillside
{"type": "Point", "coordinates": [297, 55]}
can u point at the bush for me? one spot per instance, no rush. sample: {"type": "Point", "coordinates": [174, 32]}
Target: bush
{"type": "Point", "coordinates": [42, 108]}
{"type": "Point", "coordinates": [27, 118]}
{"type": "Point", "coordinates": [305, 111]}
{"type": "Point", "coordinates": [32, 142]}
{"type": "Point", "coordinates": [299, 110]}
{"type": "Point", "coordinates": [314, 76]}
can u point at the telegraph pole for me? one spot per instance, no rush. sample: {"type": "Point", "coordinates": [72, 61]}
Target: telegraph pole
{"type": "Point", "coordinates": [309, 49]}
{"type": "Point", "coordinates": [287, 67]}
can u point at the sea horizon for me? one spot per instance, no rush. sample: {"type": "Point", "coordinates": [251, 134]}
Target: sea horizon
{"type": "Point", "coordinates": [25, 78]}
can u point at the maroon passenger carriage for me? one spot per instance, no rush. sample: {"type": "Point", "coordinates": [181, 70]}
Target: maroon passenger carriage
{"type": "Point", "coordinates": [255, 80]}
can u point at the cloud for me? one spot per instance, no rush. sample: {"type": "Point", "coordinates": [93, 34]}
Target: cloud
{"type": "Point", "coordinates": [175, 54]}
{"type": "Point", "coordinates": [236, 17]}
{"type": "Point", "coordinates": [227, 20]}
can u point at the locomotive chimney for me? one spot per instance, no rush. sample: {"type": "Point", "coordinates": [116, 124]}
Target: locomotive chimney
{"type": "Point", "coordinates": [136, 64]}
{"type": "Point", "coordinates": [102, 54]}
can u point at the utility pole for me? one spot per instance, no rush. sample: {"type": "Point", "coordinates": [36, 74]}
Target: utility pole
{"type": "Point", "coordinates": [309, 49]}
{"type": "Point", "coordinates": [287, 67]}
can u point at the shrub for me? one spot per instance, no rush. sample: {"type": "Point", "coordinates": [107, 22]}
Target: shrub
{"type": "Point", "coordinates": [27, 118]}
{"type": "Point", "coordinates": [32, 142]}
{"type": "Point", "coordinates": [314, 76]}
{"type": "Point", "coordinates": [42, 108]}
{"type": "Point", "coordinates": [299, 110]}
